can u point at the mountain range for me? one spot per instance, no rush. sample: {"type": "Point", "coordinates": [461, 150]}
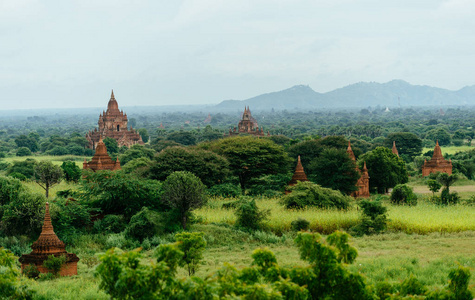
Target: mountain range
{"type": "Point", "coordinates": [391, 94]}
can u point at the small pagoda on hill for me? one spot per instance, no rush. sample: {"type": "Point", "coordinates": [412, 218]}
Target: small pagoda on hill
{"type": "Point", "coordinates": [363, 182]}
{"type": "Point", "coordinates": [101, 160]}
{"type": "Point", "coordinates": [247, 125]}
{"type": "Point", "coordinates": [49, 244]}
{"type": "Point", "coordinates": [113, 123]}
{"type": "Point", "coordinates": [437, 164]}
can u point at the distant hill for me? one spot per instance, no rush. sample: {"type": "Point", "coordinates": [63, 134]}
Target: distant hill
{"type": "Point", "coordinates": [363, 94]}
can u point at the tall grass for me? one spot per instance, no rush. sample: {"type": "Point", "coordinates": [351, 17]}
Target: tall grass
{"type": "Point", "coordinates": [57, 160]}
{"type": "Point", "coordinates": [422, 219]}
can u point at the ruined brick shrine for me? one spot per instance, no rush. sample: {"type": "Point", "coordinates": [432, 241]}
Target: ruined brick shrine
{"type": "Point", "coordinates": [113, 123]}
{"type": "Point", "coordinates": [363, 181]}
{"type": "Point", "coordinates": [49, 244]}
{"type": "Point", "coordinates": [299, 174]}
{"type": "Point", "coordinates": [101, 160]}
{"type": "Point", "coordinates": [437, 164]}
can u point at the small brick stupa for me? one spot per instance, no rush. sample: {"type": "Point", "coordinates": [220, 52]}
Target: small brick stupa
{"type": "Point", "coordinates": [101, 160]}
{"type": "Point", "coordinates": [363, 182]}
{"type": "Point", "coordinates": [49, 244]}
{"type": "Point", "coordinates": [299, 174]}
{"type": "Point", "coordinates": [437, 164]}
{"type": "Point", "coordinates": [394, 150]}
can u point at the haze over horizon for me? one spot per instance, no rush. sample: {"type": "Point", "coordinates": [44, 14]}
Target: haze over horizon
{"type": "Point", "coordinates": [71, 54]}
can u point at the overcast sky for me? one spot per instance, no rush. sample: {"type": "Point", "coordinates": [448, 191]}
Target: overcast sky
{"type": "Point", "coordinates": [72, 53]}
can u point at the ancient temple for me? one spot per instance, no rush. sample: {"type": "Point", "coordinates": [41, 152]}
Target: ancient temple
{"type": "Point", "coordinates": [394, 150]}
{"type": "Point", "coordinates": [247, 125]}
{"type": "Point", "coordinates": [101, 160]}
{"type": "Point", "coordinates": [113, 123]}
{"type": "Point", "coordinates": [49, 244]}
{"type": "Point", "coordinates": [299, 175]}
{"type": "Point", "coordinates": [437, 164]}
{"type": "Point", "coordinates": [363, 181]}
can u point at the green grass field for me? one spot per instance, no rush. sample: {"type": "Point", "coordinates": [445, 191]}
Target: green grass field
{"type": "Point", "coordinates": [450, 149]}
{"type": "Point", "coordinates": [58, 160]}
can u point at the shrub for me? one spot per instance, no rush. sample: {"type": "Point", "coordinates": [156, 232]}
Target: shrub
{"type": "Point", "coordinates": [299, 224]}
{"type": "Point", "coordinates": [9, 190]}
{"type": "Point", "coordinates": [110, 223]}
{"type": "Point", "coordinates": [192, 244]}
{"type": "Point", "coordinates": [69, 217]}
{"type": "Point", "coordinates": [23, 151]}
{"type": "Point", "coordinates": [10, 284]}
{"type": "Point", "coordinates": [249, 216]}
{"type": "Point", "coordinates": [145, 224]}
{"type": "Point", "coordinates": [309, 194]}
{"type": "Point", "coordinates": [54, 263]}
{"type": "Point", "coordinates": [373, 219]}
{"type": "Point", "coordinates": [72, 173]}
{"type": "Point", "coordinates": [447, 198]}
{"type": "Point", "coordinates": [24, 215]}
{"type": "Point", "coordinates": [31, 271]}
{"type": "Point", "coordinates": [18, 176]}
{"type": "Point", "coordinates": [403, 194]}
{"type": "Point", "coordinates": [225, 190]}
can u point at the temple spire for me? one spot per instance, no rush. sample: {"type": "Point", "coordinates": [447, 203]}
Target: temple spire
{"type": "Point", "coordinates": [112, 94]}
{"type": "Point", "coordinates": [394, 150]}
{"type": "Point", "coordinates": [299, 174]}
{"type": "Point", "coordinates": [350, 151]}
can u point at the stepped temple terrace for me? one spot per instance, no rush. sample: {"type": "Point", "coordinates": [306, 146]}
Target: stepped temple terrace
{"type": "Point", "coordinates": [101, 160]}
{"type": "Point", "coordinates": [113, 123]}
{"type": "Point", "coordinates": [49, 244]}
{"type": "Point", "coordinates": [363, 181]}
{"type": "Point", "coordinates": [247, 125]}
{"type": "Point", "coordinates": [437, 163]}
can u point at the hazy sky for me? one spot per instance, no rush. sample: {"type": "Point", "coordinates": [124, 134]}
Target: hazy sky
{"type": "Point", "coordinates": [72, 53]}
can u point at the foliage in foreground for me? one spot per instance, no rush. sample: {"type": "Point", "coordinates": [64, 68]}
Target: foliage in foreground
{"type": "Point", "coordinates": [373, 219]}
{"type": "Point", "coordinates": [10, 284]}
{"type": "Point", "coordinates": [124, 276]}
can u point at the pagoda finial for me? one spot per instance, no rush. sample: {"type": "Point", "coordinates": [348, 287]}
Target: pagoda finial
{"type": "Point", "coordinates": [47, 226]}
{"type": "Point", "coordinates": [350, 151]}
{"type": "Point", "coordinates": [112, 94]}
{"type": "Point", "coordinates": [394, 150]}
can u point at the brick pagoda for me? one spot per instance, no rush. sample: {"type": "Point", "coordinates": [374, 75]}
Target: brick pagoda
{"type": "Point", "coordinates": [247, 125]}
{"type": "Point", "coordinates": [437, 164]}
{"type": "Point", "coordinates": [113, 123]}
{"type": "Point", "coordinates": [394, 150]}
{"type": "Point", "coordinates": [363, 181]}
{"type": "Point", "coordinates": [299, 175]}
{"type": "Point", "coordinates": [49, 244]}
{"type": "Point", "coordinates": [101, 160]}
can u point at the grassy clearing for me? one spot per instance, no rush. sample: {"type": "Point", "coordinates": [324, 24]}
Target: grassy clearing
{"type": "Point", "coordinates": [450, 149]}
{"type": "Point", "coordinates": [422, 219]}
{"type": "Point", "coordinates": [63, 185]}
{"type": "Point", "coordinates": [57, 160]}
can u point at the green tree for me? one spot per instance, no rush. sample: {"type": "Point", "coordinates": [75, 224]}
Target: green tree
{"type": "Point", "coordinates": [72, 173]}
{"type": "Point", "coordinates": [183, 191]}
{"type": "Point", "coordinates": [10, 189]}
{"type": "Point", "coordinates": [186, 138]}
{"type": "Point", "coordinates": [210, 167]}
{"type": "Point", "coordinates": [250, 157]}
{"type": "Point", "coordinates": [434, 186]}
{"type": "Point", "coordinates": [120, 193]}
{"type": "Point", "coordinates": [144, 134]}
{"type": "Point", "coordinates": [305, 194]}
{"type": "Point", "coordinates": [249, 216]}
{"type": "Point", "coordinates": [26, 167]}
{"type": "Point", "coordinates": [47, 175]}
{"type": "Point", "coordinates": [28, 142]}
{"type": "Point", "coordinates": [334, 169]}
{"type": "Point", "coordinates": [136, 151]}
{"type": "Point", "coordinates": [111, 145]}
{"type": "Point", "coordinates": [192, 244]}
{"type": "Point", "coordinates": [407, 143]}
{"type": "Point", "coordinates": [403, 194]}
{"type": "Point", "coordinates": [23, 151]}
{"type": "Point", "coordinates": [23, 215]}
{"type": "Point", "coordinates": [439, 134]}
{"type": "Point", "coordinates": [373, 219]}
{"type": "Point", "coordinates": [385, 169]}
{"type": "Point", "coordinates": [447, 180]}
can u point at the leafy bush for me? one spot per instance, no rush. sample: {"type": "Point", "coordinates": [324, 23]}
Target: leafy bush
{"type": "Point", "coordinates": [24, 215]}
{"type": "Point", "coordinates": [18, 176]}
{"type": "Point", "coordinates": [309, 194]}
{"type": "Point", "coordinates": [31, 271]}
{"type": "Point", "coordinates": [447, 198]}
{"type": "Point", "coordinates": [225, 190]}
{"type": "Point", "coordinates": [10, 189]}
{"type": "Point", "coordinates": [69, 217]}
{"type": "Point", "coordinates": [249, 216]}
{"type": "Point", "coordinates": [299, 224]}
{"type": "Point", "coordinates": [145, 224]}
{"type": "Point", "coordinates": [19, 245]}
{"type": "Point", "coordinates": [10, 285]}
{"type": "Point", "coordinates": [23, 151]}
{"type": "Point", "coordinates": [72, 173]}
{"type": "Point", "coordinates": [403, 194]}
{"type": "Point", "coordinates": [25, 167]}
{"type": "Point", "coordinates": [54, 263]}
{"type": "Point", "coordinates": [192, 244]}
{"type": "Point", "coordinates": [373, 219]}
{"type": "Point", "coordinates": [110, 224]}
